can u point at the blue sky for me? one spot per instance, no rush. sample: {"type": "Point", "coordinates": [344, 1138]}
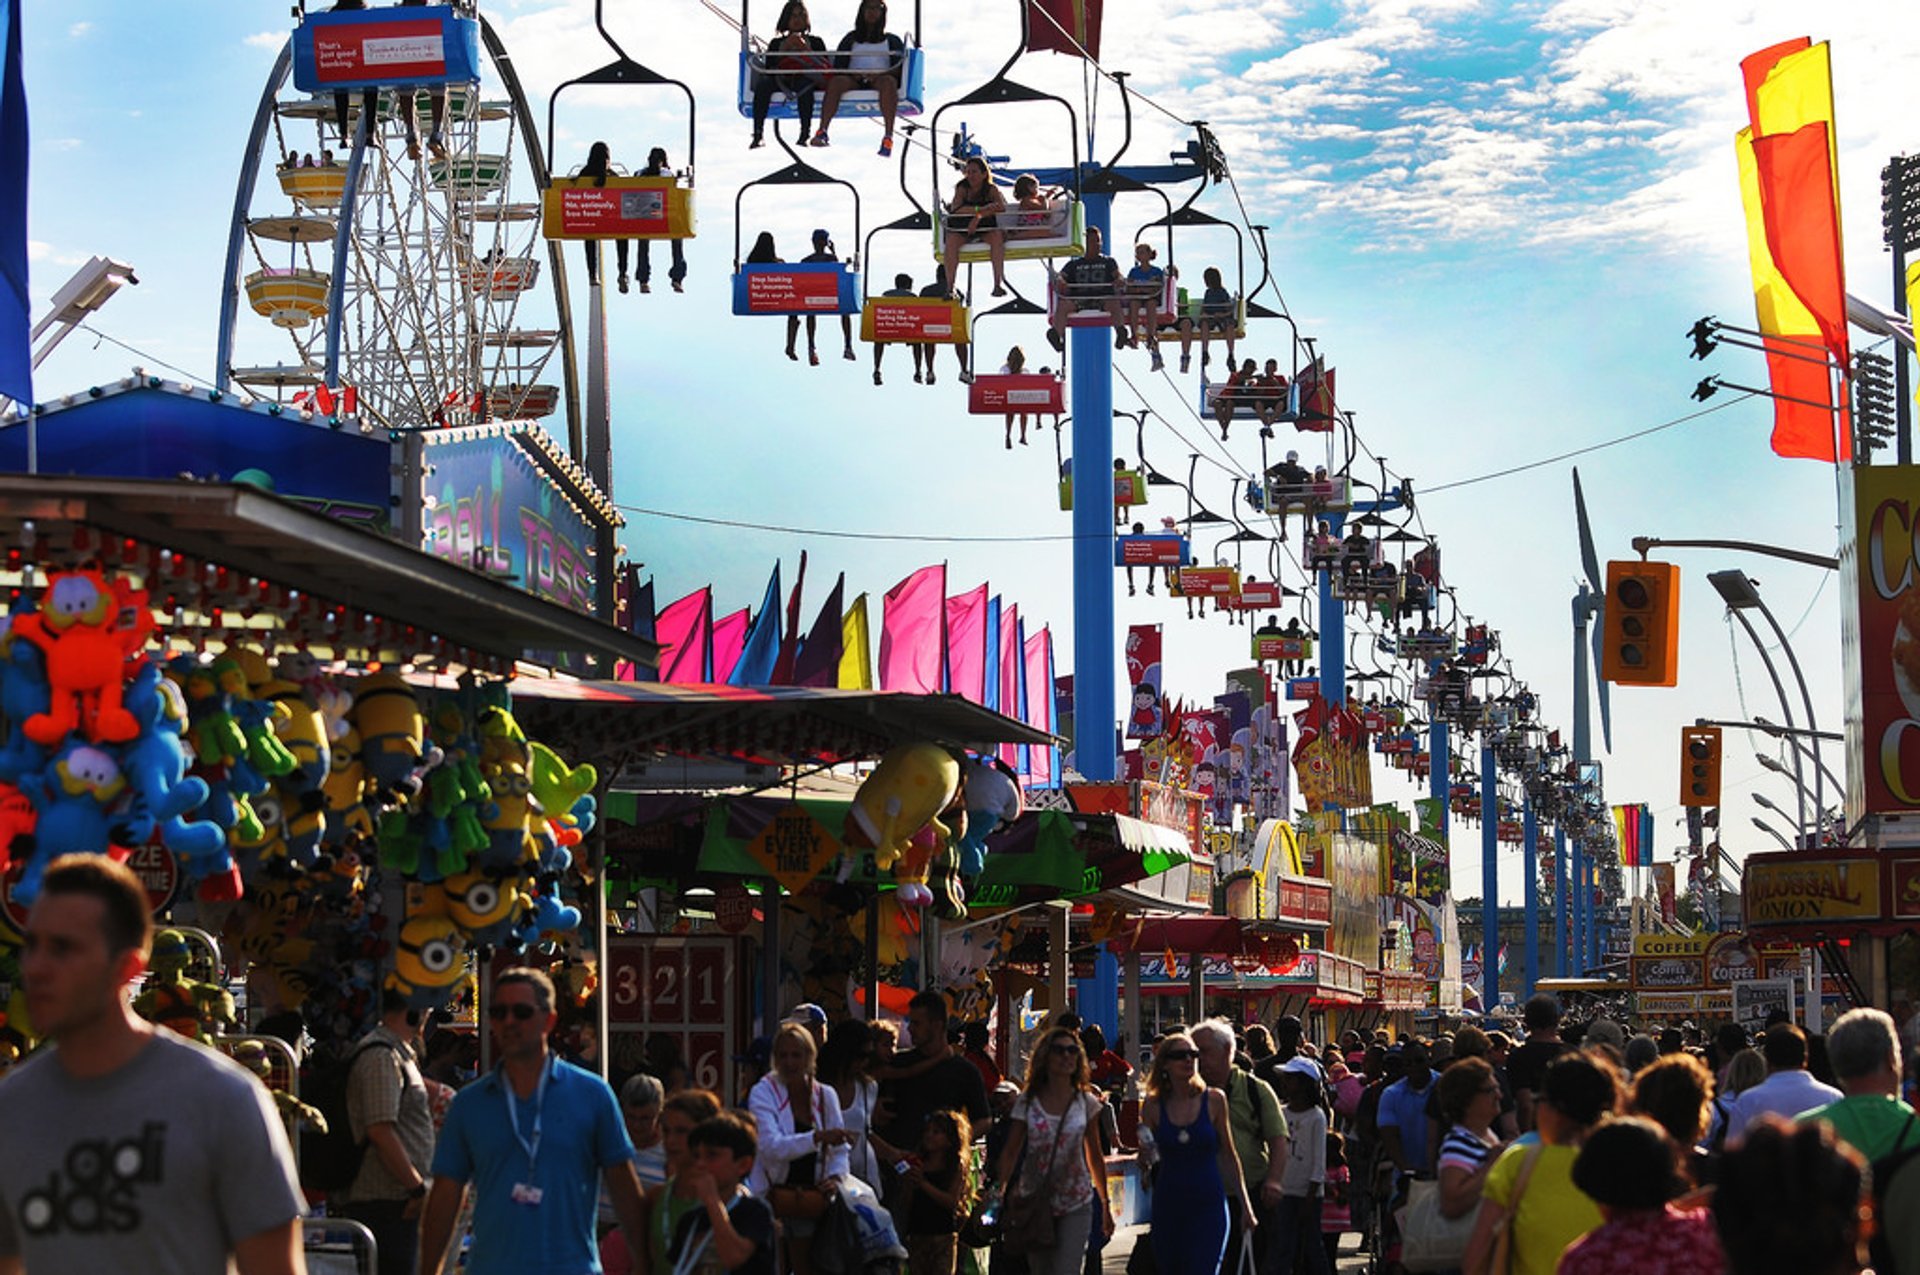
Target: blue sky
{"type": "Point", "coordinates": [1497, 220]}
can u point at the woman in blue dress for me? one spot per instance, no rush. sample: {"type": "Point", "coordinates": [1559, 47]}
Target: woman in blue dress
{"type": "Point", "coordinates": [1196, 1175]}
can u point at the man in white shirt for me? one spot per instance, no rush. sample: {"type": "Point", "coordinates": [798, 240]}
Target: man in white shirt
{"type": "Point", "coordinates": [1788, 1090]}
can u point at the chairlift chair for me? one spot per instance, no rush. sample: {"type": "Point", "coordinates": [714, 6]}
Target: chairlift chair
{"type": "Point", "coordinates": [349, 51]}
{"type": "Point", "coordinates": [1033, 393]}
{"type": "Point", "coordinates": [624, 206]}
{"type": "Point", "coordinates": [795, 287]}
{"type": "Point", "coordinates": [917, 320]}
{"type": "Point", "coordinates": [784, 106]}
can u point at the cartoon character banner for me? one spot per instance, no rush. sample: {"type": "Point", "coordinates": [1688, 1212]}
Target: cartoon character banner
{"type": "Point", "coordinates": [1145, 716]}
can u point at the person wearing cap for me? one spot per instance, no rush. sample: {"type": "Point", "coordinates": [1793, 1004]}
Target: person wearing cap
{"type": "Point", "coordinates": [822, 252]}
{"type": "Point", "coordinates": [1303, 1176]}
{"type": "Point", "coordinates": [811, 1017]}
{"type": "Point", "coordinates": [1259, 1126]}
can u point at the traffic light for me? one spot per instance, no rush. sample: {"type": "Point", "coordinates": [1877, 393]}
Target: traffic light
{"type": "Point", "coordinates": [1641, 624]}
{"type": "Point", "coordinates": [1699, 765]}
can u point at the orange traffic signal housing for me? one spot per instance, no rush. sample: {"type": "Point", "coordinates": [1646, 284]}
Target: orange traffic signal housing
{"type": "Point", "coordinates": [1641, 624]}
{"type": "Point", "coordinates": [1699, 765]}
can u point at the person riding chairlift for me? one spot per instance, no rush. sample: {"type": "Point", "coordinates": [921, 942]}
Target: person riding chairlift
{"type": "Point", "coordinates": [1087, 283]}
{"type": "Point", "coordinates": [868, 57]}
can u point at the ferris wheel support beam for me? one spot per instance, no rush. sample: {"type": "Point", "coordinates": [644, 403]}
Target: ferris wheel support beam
{"type": "Point", "coordinates": [343, 246]}
{"type": "Point", "coordinates": [237, 226]}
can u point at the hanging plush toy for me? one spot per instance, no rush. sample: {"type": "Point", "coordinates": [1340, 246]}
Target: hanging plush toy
{"type": "Point", "coordinates": [392, 733]}
{"type": "Point", "coordinates": [911, 785]}
{"type": "Point", "coordinates": [344, 792]}
{"type": "Point", "coordinates": [17, 820]}
{"type": "Point", "coordinates": [301, 730]}
{"type": "Point", "coordinates": [488, 911]}
{"type": "Point", "coordinates": [164, 794]}
{"type": "Point", "coordinates": [171, 999]}
{"type": "Point", "coordinates": [252, 1055]}
{"type": "Point", "coordinates": [88, 630]}
{"type": "Point", "coordinates": [994, 800]}
{"type": "Point", "coordinates": [427, 965]}
{"type": "Point", "coordinates": [24, 694]}
{"type": "Point", "coordinates": [74, 798]}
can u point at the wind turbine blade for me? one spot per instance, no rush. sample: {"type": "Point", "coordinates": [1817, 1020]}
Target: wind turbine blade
{"type": "Point", "coordinates": [1588, 558]}
{"type": "Point", "coordinates": [1600, 683]}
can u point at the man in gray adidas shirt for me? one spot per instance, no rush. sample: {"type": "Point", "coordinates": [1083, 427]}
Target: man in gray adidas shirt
{"type": "Point", "coordinates": [129, 1148]}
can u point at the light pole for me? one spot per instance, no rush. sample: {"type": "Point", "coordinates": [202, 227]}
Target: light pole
{"type": "Point", "coordinates": [1772, 831]}
{"type": "Point", "coordinates": [1737, 591]}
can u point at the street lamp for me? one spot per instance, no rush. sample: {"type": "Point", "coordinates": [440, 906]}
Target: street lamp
{"type": "Point", "coordinates": [1742, 595]}
{"type": "Point", "coordinates": [1771, 831]}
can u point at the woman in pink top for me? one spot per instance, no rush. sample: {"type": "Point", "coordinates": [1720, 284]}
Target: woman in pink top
{"type": "Point", "coordinates": [1628, 1168]}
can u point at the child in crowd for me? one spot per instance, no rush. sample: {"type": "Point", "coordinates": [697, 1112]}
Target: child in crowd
{"type": "Point", "coordinates": [1303, 1183]}
{"type": "Point", "coordinates": [938, 1181]}
{"type": "Point", "coordinates": [1336, 1209]}
{"type": "Point", "coordinates": [731, 1230]}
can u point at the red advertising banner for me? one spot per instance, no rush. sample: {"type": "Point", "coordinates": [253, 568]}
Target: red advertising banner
{"type": "Point", "coordinates": [1305, 902]}
{"type": "Point", "coordinates": [1256, 594]}
{"type": "Point", "coordinates": [357, 52]}
{"type": "Point", "coordinates": [914, 319]}
{"type": "Point", "coordinates": [1026, 392]}
{"type": "Point", "coordinates": [1880, 623]}
{"type": "Point", "coordinates": [606, 212]}
{"type": "Point", "coordinates": [1150, 551]}
{"type": "Point", "coordinates": [781, 291]}
{"type": "Point", "coordinates": [1268, 647]}
{"type": "Point", "coordinates": [1208, 582]}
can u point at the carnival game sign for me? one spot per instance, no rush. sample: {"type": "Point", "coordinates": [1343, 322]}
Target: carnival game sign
{"type": "Point", "coordinates": [1670, 962]}
{"type": "Point", "coordinates": [794, 848]}
{"type": "Point", "coordinates": [1801, 889]}
{"type": "Point", "coordinates": [488, 507]}
{"type": "Point", "coordinates": [1880, 568]}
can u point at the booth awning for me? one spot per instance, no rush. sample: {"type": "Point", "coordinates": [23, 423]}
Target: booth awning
{"type": "Point", "coordinates": [1057, 854]}
{"type": "Point", "coordinates": [782, 725]}
{"type": "Point", "coordinates": [250, 531]}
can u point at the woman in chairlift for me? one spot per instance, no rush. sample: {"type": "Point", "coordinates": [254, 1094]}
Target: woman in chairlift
{"type": "Point", "coordinates": [973, 217]}
{"type": "Point", "coordinates": [1217, 318]}
{"type": "Point", "coordinates": [599, 166]}
{"type": "Point", "coordinates": [1146, 283]}
{"type": "Point", "coordinates": [868, 57]}
{"type": "Point", "coordinates": [657, 166]}
{"type": "Point", "coordinates": [795, 61]}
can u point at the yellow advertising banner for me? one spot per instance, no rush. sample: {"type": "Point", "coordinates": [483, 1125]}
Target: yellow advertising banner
{"type": "Point", "coordinates": [1797, 889]}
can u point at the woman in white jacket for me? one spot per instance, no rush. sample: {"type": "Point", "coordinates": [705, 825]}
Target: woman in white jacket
{"type": "Point", "coordinates": [803, 1141]}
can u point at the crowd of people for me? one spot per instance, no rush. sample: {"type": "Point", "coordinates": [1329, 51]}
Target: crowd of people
{"type": "Point", "coordinates": [1579, 1149]}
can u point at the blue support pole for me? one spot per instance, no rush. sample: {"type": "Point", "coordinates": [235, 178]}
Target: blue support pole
{"type": "Point", "coordinates": [1489, 882]}
{"type": "Point", "coordinates": [1530, 844]}
{"type": "Point", "coordinates": [1333, 632]}
{"type": "Point", "coordinates": [1561, 936]}
{"type": "Point", "coordinates": [1095, 644]}
{"type": "Point", "coordinates": [1099, 1001]}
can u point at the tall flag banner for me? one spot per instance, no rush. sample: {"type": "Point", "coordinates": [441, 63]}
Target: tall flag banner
{"type": "Point", "coordinates": [1046, 762]}
{"type": "Point", "coordinates": [790, 643]}
{"type": "Point", "coordinates": [1011, 683]}
{"type": "Point", "coordinates": [729, 638]}
{"type": "Point", "coordinates": [1064, 26]}
{"type": "Point", "coordinates": [1790, 193]}
{"type": "Point", "coordinates": [1633, 827]}
{"type": "Point", "coordinates": [856, 648]}
{"type": "Point", "coordinates": [1434, 872]}
{"type": "Point", "coordinates": [761, 653]}
{"type": "Point", "coordinates": [967, 644]}
{"type": "Point", "coordinates": [1666, 888]}
{"type": "Point", "coordinates": [1145, 715]}
{"type": "Point", "coordinates": [991, 677]}
{"type": "Point", "coordinates": [817, 662]}
{"type": "Point", "coordinates": [685, 632]}
{"type": "Point", "coordinates": [1063, 716]}
{"type": "Point", "coordinates": [633, 611]}
{"type": "Point", "coordinates": [16, 327]}
{"type": "Point", "coordinates": [913, 633]}
{"type": "Point", "coordinates": [1318, 413]}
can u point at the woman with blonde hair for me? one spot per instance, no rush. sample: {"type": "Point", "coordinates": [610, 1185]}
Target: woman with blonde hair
{"type": "Point", "coordinates": [1056, 1123]}
{"type": "Point", "coordinates": [803, 1141]}
{"type": "Point", "coordinates": [1195, 1168]}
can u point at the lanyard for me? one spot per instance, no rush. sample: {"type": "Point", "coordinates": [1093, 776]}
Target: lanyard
{"type": "Point", "coordinates": [530, 1145]}
{"type": "Point", "coordinates": [695, 1251]}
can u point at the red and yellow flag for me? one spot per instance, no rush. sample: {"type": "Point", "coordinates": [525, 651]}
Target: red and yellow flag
{"type": "Point", "coordinates": [1064, 26]}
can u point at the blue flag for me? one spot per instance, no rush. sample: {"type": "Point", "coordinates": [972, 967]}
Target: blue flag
{"type": "Point", "coordinates": [16, 344]}
{"type": "Point", "coordinates": [762, 649]}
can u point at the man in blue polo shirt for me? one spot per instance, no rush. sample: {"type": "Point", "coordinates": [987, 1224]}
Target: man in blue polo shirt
{"type": "Point", "coordinates": [534, 1138]}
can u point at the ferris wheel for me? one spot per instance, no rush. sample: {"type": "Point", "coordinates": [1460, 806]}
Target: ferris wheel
{"type": "Point", "coordinates": [406, 283]}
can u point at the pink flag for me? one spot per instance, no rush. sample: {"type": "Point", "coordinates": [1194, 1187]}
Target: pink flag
{"type": "Point", "coordinates": [913, 637]}
{"type": "Point", "coordinates": [1040, 704]}
{"type": "Point", "coordinates": [967, 644]}
{"type": "Point", "coordinates": [729, 637]}
{"type": "Point", "coordinates": [1012, 704]}
{"type": "Point", "coordinates": [685, 634]}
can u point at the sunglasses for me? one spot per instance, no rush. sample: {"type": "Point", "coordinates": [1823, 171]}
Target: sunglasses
{"type": "Point", "coordinates": [498, 1013]}
{"type": "Point", "coordinates": [1182, 1055]}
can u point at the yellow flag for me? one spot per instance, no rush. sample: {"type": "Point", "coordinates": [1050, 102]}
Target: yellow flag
{"type": "Point", "coordinates": [1797, 91]}
{"type": "Point", "coordinates": [856, 658]}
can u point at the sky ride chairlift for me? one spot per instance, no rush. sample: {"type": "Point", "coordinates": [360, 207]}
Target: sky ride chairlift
{"type": "Point", "coordinates": [753, 61]}
{"type": "Point", "coordinates": [795, 287]}
{"type": "Point", "coordinates": [414, 47]}
{"type": "Point", "coordinates": [916, 320]}
{"type": "Point", "coordinates": [623, 206]}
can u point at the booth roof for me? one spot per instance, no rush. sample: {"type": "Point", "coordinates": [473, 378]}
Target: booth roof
{"type": "Point", "coordinates": [275, 539]}
{"type": "Point", "coordinates": [781, 725]}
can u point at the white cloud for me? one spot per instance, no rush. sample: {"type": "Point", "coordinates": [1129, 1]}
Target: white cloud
{"type": "Point", "coordinates": [79, 30]}
{"type": "Point", "coordinates": [268, 40]}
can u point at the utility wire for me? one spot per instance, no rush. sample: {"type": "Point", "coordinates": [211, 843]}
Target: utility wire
{"type": "Point", "coordinates": [151, 358]}
{"type": "Point", "coordinates": [1582, 451]}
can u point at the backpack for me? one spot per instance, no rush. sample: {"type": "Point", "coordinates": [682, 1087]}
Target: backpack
{"type": "Point", "coordinates": [1886, 1172]}
{"type": "Point", "coordinates": [330, 1161]}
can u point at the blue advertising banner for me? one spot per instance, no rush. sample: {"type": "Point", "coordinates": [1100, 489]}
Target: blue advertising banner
{"type": "Point", "coordinates": [489, 506]}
